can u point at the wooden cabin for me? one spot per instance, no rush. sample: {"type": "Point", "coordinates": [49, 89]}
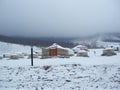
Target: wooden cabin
{"type": "Point", "coordinates": [54, 50]}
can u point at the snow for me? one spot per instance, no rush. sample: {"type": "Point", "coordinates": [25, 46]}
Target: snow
{"type": "Point", "coordinates": [61, 77]}
{"type": "Point", "coordinates": [11, 48]}
{"type": "Point", "coordinates": [91, 60]}
{"type": "Point", "coordinates": [70, 51]}
{"type": "Point", "coordinates": [95, 72]}
{"type": "Point", "coordinates": [80, 46]}
{"type": "Point", "coordinates": [55, 45]}
{"type": "Point", "coordinates": [107, 44]}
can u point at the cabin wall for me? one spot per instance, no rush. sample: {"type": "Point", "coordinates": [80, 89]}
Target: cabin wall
{"type": "Point", "coordinates": [62, 52]}
{"type": "Point", "coordinates": [45, 52]}
{"type": "Point", "coordinates": [54, 52]}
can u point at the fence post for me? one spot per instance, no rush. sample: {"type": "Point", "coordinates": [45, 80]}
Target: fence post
{"type": "Point", "coordinates": [31, 56]}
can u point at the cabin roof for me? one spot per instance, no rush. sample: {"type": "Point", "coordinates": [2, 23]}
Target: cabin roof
{"type": "Point", "coordinates": [55, 45]}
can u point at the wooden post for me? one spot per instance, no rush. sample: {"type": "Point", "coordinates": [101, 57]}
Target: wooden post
{"type": "Point", "coordinates": [31, 56]}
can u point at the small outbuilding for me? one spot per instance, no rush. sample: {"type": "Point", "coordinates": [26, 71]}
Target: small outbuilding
{"type": "Point", "coordinates": [54, 50]}
{"type": "Point", "coordinates": [78, 48]}
{"type": "Point", "coordinates": [108, 52]}
{"type": "Point", "coordinates": [82, 53]}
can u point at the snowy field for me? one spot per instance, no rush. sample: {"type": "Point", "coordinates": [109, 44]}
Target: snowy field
{"type": "Point", "coordinates": [95, 72]}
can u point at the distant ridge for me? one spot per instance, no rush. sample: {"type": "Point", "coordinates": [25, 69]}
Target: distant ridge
{"type": "Point", "coordinates": [89, 41]}
{"type": "Point", "coordinates": [92, 40]}
{"type": "Point", "coordinates": [40, 42]}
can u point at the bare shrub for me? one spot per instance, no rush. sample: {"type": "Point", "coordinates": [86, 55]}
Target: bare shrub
{"type": "Point", "coordinates": [74, 65]}
{"type": "Point", "coordinates": [46, 67]}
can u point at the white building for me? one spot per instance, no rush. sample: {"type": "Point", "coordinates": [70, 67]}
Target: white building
{"type": "Point", "coordinates": [78, 48]}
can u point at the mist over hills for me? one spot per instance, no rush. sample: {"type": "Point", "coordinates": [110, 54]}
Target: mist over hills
{"type": "Point", "coordinates": [40, 42]}
{"type": "Point", "coordinates": [90, 41]}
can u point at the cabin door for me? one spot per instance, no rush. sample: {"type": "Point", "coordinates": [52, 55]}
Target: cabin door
{"type": "Point", "coordinates": [53, 52]}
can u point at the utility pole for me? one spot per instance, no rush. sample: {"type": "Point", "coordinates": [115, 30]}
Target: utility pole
{"type": "Point", "coordinates": [31, 56]}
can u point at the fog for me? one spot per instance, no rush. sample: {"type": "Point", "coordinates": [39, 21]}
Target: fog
{"type": "Point", "coordinates": [59, 18]}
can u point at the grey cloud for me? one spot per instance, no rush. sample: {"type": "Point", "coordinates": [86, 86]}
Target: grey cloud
{"type": "Point", "coordinates": [59, 17]}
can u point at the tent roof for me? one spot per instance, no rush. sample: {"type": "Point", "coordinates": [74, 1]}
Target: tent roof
{"type": "Point", "coordinates": [55, 45]}
{"type": "Point", "coordinates": [79, 46]}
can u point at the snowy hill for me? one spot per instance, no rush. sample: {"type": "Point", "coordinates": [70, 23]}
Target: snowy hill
{"type": "Point", "coordinates": [92, 41]}
{"type": "Point", "coordinates": [14, 48]}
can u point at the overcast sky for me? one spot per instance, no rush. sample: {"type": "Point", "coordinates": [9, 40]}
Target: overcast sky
{"type": "Point", "coordinates": [59, 17]}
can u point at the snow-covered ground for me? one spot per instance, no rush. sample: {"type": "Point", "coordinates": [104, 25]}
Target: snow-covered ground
{"type": "Point", "coordinates": [95, 72]}
{"type": "Point", "coordinates": [60, 77]}
{"type": "Point", "coordinates": [11, 48]}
